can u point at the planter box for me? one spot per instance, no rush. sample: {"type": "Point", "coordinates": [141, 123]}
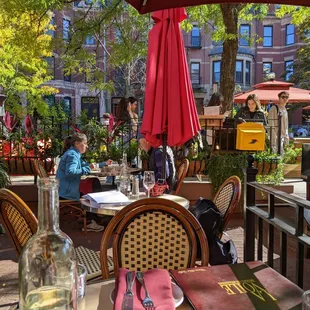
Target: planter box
{"type": "Point", "coordinates": [292, 170]}
{"type": "Point", "coordinates": [262, 197]}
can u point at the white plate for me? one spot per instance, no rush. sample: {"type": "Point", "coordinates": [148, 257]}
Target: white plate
{"type": "Point", "coordinates": [177, 294]}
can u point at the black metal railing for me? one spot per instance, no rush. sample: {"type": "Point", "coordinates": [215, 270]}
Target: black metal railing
{"type": "Point", "coordinates": [255, 217]}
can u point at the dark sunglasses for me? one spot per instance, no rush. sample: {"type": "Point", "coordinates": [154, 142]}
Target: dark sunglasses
{"type": "Point", "coordinates": [284, 97]}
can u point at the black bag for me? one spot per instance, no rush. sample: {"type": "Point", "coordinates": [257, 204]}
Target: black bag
{"type": "Point", "coordinates": [210, 218]}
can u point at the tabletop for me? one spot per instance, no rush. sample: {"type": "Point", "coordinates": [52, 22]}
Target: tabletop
{"type": "Point", "coordinates": [113, 208]}
{"type": "Point", "coordinates": [244, 286]}
{"type": "Point", "coordinates": [98, 297]}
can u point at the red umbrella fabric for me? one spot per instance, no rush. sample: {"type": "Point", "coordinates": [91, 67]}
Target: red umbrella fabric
{"type": "Point", "coordinates": [146, 6]}
{"type": "Point", "coordinates": [169, 106]}
{"type": "Point", "coordinates": [268, 91]}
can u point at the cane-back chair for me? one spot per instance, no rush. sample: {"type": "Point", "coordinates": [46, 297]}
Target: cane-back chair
{"type": "Point", "coordinates": [18, 220]}
{"type": "Point", "coordinates": [153, 233]}
{"type": "Point", "coordinates": [227, 198]}
{"type": "Point", "coordinates": [21, 224]}
{"type": "Point", "coordinates": [66, 206]}
{"type": "Point", "coordinates": [181, 173]}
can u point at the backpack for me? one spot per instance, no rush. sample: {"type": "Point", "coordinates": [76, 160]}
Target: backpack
{"type": "Point", "coordinates": [210, 218]}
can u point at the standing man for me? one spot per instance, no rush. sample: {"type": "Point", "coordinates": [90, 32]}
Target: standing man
{"type": "Point", "coordinates": [273, 121]}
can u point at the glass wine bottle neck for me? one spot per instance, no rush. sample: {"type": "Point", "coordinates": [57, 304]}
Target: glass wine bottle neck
{"type": "Point", "coordinates": [48, 204]}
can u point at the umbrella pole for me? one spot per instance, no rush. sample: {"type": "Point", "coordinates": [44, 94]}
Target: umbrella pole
{"type": "Point", "coordinates": [163, 167]}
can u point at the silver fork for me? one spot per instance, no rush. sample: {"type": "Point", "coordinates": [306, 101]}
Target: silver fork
{"type": "Point", "coordinates": [147, 302]}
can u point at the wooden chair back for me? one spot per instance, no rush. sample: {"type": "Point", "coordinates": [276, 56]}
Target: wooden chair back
{"type": "Point", "coordinates": [227, 198]}
{"type": "Point", "coordinates": [39, 169]}
{"type": "Point", "coordinates": [153, 233]}
{"type": "Point", "coordinates": [18, 220]}
{"type": "Point", "coordinates": [181, 173]}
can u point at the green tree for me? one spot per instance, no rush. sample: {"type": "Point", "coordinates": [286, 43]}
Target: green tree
{"type": "Point", "coordinates": [121, 33]}
{"type": "Point", "coordinates": [223, 20]}
{"type": "Point", "coordinates": [301, 67]}
{"type": "Point", "coordinates": [24, 44]}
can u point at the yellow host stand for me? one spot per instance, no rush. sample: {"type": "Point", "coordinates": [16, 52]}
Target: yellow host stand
{"type": "Point", "coordinates": [250, 137]}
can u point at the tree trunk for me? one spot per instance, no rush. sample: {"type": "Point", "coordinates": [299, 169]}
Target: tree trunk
{"type": "Point", "coordinates": [230, 49]}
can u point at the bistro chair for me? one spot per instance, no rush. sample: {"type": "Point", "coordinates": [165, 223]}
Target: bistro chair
{"type": "Point", "coordinates": [181, 173]}
{"type": "Point", "coordinates": [18, 220]}
{"type": "Point", "coordinates": [21, 224]}
{"type": "Point", "coordinates": [227, 198]}
{"type": "Point", "coordinates": [153, 233]}
{"type": "Point", "coordinates": [66, 207]}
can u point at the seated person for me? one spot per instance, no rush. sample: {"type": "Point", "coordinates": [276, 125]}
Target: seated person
{"type": "Point", "coordinates": [252, 111]}
{"type": "Point", "coordinates": [155, 162]}
{"type": "Point", "coordinates": [70, 169]}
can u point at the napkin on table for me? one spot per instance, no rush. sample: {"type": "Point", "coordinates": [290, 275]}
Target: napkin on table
{"type": "Point", "coordinates": [158, 284]}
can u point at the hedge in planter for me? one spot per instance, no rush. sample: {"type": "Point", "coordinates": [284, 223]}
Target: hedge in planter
{"type": "Point", "coordinates": [221, 167]}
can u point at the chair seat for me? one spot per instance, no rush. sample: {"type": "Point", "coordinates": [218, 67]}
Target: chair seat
{"type": "Point", "coordinates": [91, 260]}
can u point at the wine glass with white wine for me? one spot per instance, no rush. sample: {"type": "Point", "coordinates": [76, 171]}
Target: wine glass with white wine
{"type": "Point", "coordinates": [148, 181]}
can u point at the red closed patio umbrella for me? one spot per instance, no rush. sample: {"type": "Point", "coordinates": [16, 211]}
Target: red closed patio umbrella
{"type": "Point", "coordinates": [170, 110]}
{"type": "Point", "coordinates": [146, 6]}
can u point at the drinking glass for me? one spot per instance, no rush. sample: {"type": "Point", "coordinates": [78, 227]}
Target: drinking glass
{"type": "Point", "coordinates": [306, 300]}
{"type": "Point", "coordinates": [148, 181]}
{"type": "Point", "coordinates": [82, 274]}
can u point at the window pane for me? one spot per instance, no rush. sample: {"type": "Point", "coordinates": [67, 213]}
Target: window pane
{"type": "Point", "coordinates": [216, 71]}
{"type": "Point", "coordinates": [90, 40]}
{"type": "Point", "coordinates": [239, 71]}
{"type": "Point", "coordinates": [244, 35]}
{"type": "Point", "coordinates": [66, 29]}
{"type": "Point", "coordinates": [195, 36]}
{"type": "Point", "coordinates": [289, 34]}
{"type": "Point", "coordinates": [50, 66]}
{"type": "Point", "coordinates": [51, 32]}
{"type": "Point", "coordinates": [195, 73]}
{"type": "Point", "coordinates": [289, 69]}
{"type": "Point", "coordinates": [247, 72]}
{"type": "Point", "coordinates": [268, 36]}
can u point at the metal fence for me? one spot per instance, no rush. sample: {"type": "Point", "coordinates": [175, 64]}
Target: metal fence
{"type": "Point", "coordinates": [255, 217]}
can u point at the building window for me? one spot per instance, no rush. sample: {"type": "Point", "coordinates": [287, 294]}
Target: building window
{"type": "Point", "coordinates": [50, 100]}
{"type": "Point", "coordinates": [50, 67]}
{"type": "Point", "coordinates": [51, 32]}
{"type": "Point", "coordinates": [289, 70]}
{"type": "Point", "coordinates": [67, 77]}
{"type": "Point", "coordinates": [248, 73]}
{"type": "Point", "coordinates": [216, 71]}
{"type": "Point", "coordinates": [195, 72]}
{"type": "Point", "coordinates": [267, 68]}
{"type": "Point", "coordinates": [67, 106]}
{"type": "Point", "coordinates": [289, 34]}
{"type": "Point", "coordinates": [268, 36]}
{"type": "Point", "coordinates": [239, 71]}
{"type": "Point", "coordinates": [244, 35]}
{"type": "Point", "coordinates": [66, 29]}
{"type": "Point", "coordinates": [90, 40]}
{"type": "Point", "coordinates": [195, 37]}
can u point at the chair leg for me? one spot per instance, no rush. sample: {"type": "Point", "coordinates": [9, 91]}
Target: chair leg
{"type": "Point", "coordinates": [85, 226]}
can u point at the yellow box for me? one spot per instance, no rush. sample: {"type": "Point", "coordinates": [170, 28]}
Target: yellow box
{"type": "Point", "coordinates": [250, 137]}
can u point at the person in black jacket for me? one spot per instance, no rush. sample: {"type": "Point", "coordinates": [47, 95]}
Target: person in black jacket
{"type": "Point", "coordinates": [251, 111]}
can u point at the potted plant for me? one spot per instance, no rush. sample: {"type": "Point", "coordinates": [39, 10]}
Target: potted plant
{"type": "Point", "coordinates": [292, 161]}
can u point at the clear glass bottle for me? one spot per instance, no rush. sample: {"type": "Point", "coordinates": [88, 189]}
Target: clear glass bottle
{"type": "Point", "coordinates": [47, 264]}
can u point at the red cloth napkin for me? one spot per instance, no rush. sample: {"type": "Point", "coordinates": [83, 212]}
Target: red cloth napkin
{"type": "Point", "coordinates": [157, 282]}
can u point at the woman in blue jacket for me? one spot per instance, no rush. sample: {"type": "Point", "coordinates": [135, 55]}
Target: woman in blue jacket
{"type": "Point", "coordinates": [70, 169]}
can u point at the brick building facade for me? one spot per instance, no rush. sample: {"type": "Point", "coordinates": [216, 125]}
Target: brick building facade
{"type": "Point", "coordinates": [274, 53]}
